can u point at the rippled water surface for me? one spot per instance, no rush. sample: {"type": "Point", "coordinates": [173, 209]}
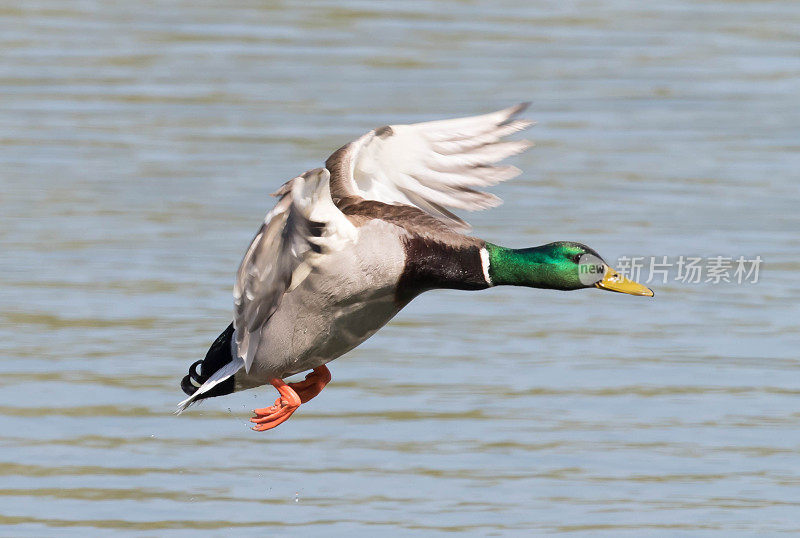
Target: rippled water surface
{"type": "Point", "coordinates": [139, 142]}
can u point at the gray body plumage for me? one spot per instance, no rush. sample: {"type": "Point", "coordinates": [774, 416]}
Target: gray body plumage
{"type": "Point", "coordinates": [344, 302]}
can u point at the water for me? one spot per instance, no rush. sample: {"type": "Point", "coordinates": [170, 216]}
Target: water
{"type": "Point", "coordinates": [139, 142]}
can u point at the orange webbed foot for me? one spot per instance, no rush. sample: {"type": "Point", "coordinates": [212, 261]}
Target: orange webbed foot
{"type": "Point", "coordinates": [287, 403]}
{"type": "Point", "coordinates": [291, 396]}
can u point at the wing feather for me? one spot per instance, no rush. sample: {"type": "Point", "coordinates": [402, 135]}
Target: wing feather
{"type": "Point", "coordinates": [302, 227]}
{"type": "Point", "coordinates": [435, 166]}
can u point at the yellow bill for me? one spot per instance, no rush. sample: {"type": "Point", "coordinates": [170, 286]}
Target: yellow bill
{"type": "Point", "coordinates": [614, 281]}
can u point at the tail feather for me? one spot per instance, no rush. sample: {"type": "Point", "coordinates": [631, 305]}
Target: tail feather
{"type": "Point", "coordinates": [215, 374]}
{"type": "Point", "coordinates": [224, 373]}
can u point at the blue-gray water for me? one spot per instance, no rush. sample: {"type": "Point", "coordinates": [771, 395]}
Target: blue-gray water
{"type": "Point", "coordinates": [139, 142]}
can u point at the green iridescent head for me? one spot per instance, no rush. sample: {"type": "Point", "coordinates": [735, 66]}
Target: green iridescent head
{"type": "Point", "coordinates": [563, 265]}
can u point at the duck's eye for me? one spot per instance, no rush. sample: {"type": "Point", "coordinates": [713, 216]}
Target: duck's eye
{"type": "Point", "coordinates": [576, 258]}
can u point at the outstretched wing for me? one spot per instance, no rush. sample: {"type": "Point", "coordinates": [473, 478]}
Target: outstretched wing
{"type": "Point", "coordinates": [434, 165]}
{"type": "Point", "coordinates": [302, 227]}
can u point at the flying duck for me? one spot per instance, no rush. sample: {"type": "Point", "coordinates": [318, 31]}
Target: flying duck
{"type": "Point", "coordinates": [347, 246]}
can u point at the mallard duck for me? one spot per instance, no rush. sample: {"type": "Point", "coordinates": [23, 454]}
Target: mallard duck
{"type": "Point", "coordinates": [347, 246]}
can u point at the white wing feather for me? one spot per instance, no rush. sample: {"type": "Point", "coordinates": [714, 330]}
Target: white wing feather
{"type": "Point", "coordinates": [297, 233]}
{"type": "Point", "coordinates": [434, 165]}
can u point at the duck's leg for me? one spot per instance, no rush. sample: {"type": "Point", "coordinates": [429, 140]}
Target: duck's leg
{"type": "Point", "coordinates": [291, 396]}
{"type": "Point", "coordinates": [312, 384]}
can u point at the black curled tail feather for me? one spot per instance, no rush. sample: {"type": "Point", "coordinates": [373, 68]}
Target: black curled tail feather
{"type": "Point", "coordinates": [193, 381]}
{"type": "Point", "coordinates": [219, 354]}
